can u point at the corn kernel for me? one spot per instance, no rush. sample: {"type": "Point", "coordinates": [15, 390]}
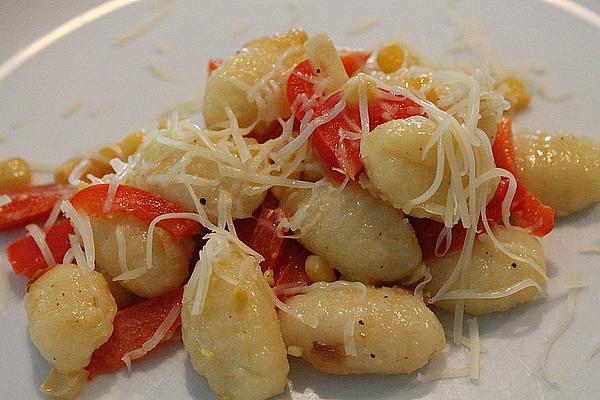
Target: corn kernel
{"type": "Point", "coordinates": [417, 82]}
{"type": "Point", "coordinates": [14, 173]}
{"type": "Point", "coordinates": [96, 167]}
{"type": "Point", "coordinates": [390, 58]}
{"type": "Point", "coordinates": [130, 143]}
{"type": "Point", "coordinates": [515, 91]}
{"type": "Point", "coordinates": [318, 270]}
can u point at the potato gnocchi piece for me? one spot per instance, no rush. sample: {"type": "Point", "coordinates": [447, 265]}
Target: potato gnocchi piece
{"type": "Point", "coordinates": [261, 66]}
{"type": "Point", "coordinates": [562, 170]}
{"type": "Point", "coordinates": [235, 342]}
{"type": "Point", "coordinates": [364, 239]}
{"type": "Point", "coordinates": [392, 157]}
{"type": "Point", "coordinates": [67, 322]}
{"type": "Point", "coordinates": [171, 257]}
{"type": "Point", "coordinates": [160, 174]}
{"type": "Point", "coordinates": [122, 296]}
{"type": "Point", "coordinates": [382, 331]}
{"type": "Point", "coordinates": [64, 386]}
{"type": "Point", "coordinates": [492, 271]}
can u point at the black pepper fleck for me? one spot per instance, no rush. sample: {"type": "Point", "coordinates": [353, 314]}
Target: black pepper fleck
{"type": "Point", "coordinates": [385, 297]}
{"type": "Point", "coordinates": [372, 355]}
{"type": "Point", "coordinates": [514, 265]}
{"type": "Point", "coordinates": [203, 201]}
{"type": "Point", "coordinates": [361, 322]}
{"type": "Point", "coordinates": [318, 70]}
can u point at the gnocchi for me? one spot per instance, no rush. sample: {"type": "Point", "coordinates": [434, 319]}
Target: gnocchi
{"type": "Point", "coordinates": [165, 171]}
{"type": "Point", "coordinates": [397, 173]}
{"type": "Point", "coordinates": [253, 82]}
{"type": "Point", "coordinates": [378, 330]}
{"type": "Point", "coordinates": [361, 237]}
{"type": "Point", "coordinates": [170, 260]}
{"type": "Point", "coordinates": [70, 316]}
{"type": "Point", "coordinates": [562, 170]}
{"type": "Point", "coordinates": [492, 271]}
{"type": "Point", "coordinates": [235, 342]}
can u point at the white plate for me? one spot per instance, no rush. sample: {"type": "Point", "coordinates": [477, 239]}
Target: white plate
{"type": "Point", "coordinates": [118, 94]}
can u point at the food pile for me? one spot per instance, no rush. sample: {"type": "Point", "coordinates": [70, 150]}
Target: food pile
{"type": "Point", "coordinates": [333, 197]}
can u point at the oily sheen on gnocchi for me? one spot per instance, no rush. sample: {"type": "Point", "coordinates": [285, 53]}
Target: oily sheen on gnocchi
{"type": "Point", "coordinates": [331, 202]}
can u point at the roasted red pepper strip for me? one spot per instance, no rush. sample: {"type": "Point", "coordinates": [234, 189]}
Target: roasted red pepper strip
{"type": "Point", "coordinates": [354, 60]}
{"type": "Point", "coordinates": [25, 255]}
{"type": "Point", "coordinates": [131, 328]}
{"type": "Point", "coordinates": [526, 210]}
{"type": "Point", "coordinates": [213, 64]}
{"type": "Point", "coordinates": [336, 152]}
{"type": "Point", "coordinates": [427, 232]}
{"type": "Point", "coordinates": [30, 204]}
{"type": "Point", "coordinates": [260, 233]}
{"type": "Point", "coordinates": [138, 203]}
{"type": "Point", "coordinates": [286, 257]}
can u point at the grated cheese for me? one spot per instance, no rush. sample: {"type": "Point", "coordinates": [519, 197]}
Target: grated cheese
{"type": "Point", "coordinates": [349, 341]}
{"type": "Point", "coordinates": [364, 26]}
{"type": "Point", "coordinates": [146, 26]}
{"type": "Point", "coordinates": [131, 274]}
{"type": "Point", "coordinates": [83, 227]}
{"type": "Point", "coordinates": [443, 373]}
{"type": "Point", "coordinates": [55, 212]}
{"type": "Point", "coordinates": [160, 333]}
{"type": "Point", "coordinates": [4, 200]}
{"type": "Point", "coordinates": [474, 347]}
{"type": "Point", "coordinates": [121, 249]}
{"type": "Point", "coordinates": [76, 173]}
{"type": "Point", "coordinates": [71, 109]}
{"type": "Point", "coordinates": [162, 73]}
{"type": "Point", "coordinates": [564, 323]}
{"type": "Point", "coordinates": [39, 237]}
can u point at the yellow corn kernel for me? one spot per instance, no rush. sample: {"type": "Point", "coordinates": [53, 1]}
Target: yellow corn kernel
{"type": "Point", "coordinates": [390, 58]}
{"type": "Point", "coordinates": [124, 149]}
{"type": "Point", "coordinates": [415, 83]}
{"type": "Point", "coordinates": [96, 167]}
{"type": "Point", "coordinates": [515, 91]}
{"type": "Point", "coordinates": [439, 92]}
{"type": "Point", "coordinates": [130, 143]}
{"type": "Point", "coordinates": [318, 270]}
{"type": "Point", "coordinates": [14, 173]}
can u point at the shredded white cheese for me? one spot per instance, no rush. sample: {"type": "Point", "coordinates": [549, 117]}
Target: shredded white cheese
{"type": "Point", "coordinates": [71, 109]}
{"type": "Point", "coordinates": [39, 237]}
{"type": "Point", "coordinates": [564, 323]}
{"type": "Point", "coordinates": [83, 227]}
{"type": "Point", "coordinates": [146, 26]}
{"type": "Point", "coordinates": [77, 172]}
{"type": "Point", "coordinates": [160, 333]}
{"type": "Point", "coordinates": [4, 200]}
{"type": "Point", "coordinates": [121, 248]}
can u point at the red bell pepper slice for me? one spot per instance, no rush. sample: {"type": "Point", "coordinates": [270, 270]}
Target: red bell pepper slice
{"type": "Point", "coordinates": [132, 327]}
{"type": "Point", "coordinates": [261, 234]}
{"type": "Point", "coordinates": [30, 204]}
{"type": "Point", "coordinates": [526, 210]}
{"type": "Point", "coordinates": [213, 64]}
{"type": "Point", "coordinates": [138, 203]}
{"type": "Point", "coordinates": [354, 60]}
{"type": "Point", "coordinates": [26, 257]}
{"type": "Point", "coordinates": [286, 257]}
{"type": "Point", "coordinates": [336, 152]}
